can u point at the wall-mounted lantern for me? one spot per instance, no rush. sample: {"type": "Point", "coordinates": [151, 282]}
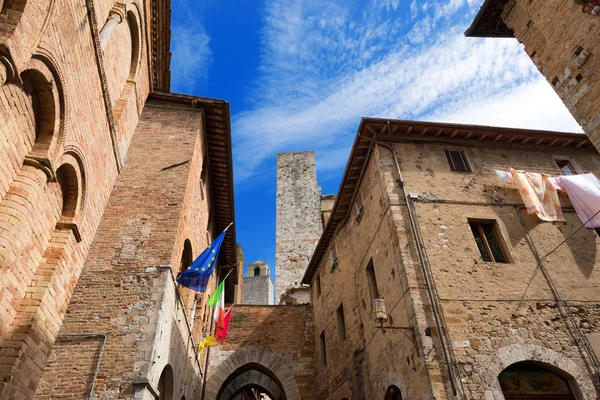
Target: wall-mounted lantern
{"type": "Point", "coordinates": [381, 317]}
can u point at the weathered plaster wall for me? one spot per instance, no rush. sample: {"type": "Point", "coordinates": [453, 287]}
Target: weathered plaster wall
{"type": "Point", "coordinates": [299, 223]}
{"type": "Point", "coordinates": [368, 361]}
{"type": "Point", "coordinates": [504, 308]}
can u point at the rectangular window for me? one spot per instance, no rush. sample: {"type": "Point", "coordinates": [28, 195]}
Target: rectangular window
{"type": "Point", "coordinates": [360, 208]}
{"type": "Point", "coordinates": [333, 253]}
{"type": "Point", "coordinates": [487, 241]}
{"type": "Point", "coordinates": [341, 323]}
{"type": "Point", "coordinates": [598, 231]}
{"type": "Point", "coordinates": [566, 167]}
{"type": "Point", "coordinates": [457, 160]}
{"type": "Point", "coordinates": [372, 281]}
{"type": "Point", "coordinates": [318, 285]}
{"type": "Point", "coordinates": [323, 348]}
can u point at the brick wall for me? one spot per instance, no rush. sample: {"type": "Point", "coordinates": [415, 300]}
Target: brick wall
{"type": "Point", "coordinates": [58, 167]}
{"type": "Point", "coordinates": [277, 338]}
{"type": "Point", "coordinates": [155, 206]}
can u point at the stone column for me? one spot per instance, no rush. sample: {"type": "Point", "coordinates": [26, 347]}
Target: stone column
{"type": "Point", "coordinates": [109, 27]}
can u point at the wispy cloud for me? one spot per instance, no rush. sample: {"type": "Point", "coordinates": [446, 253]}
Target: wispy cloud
{"type": "Point", "coordinates": [324, 65]}
{"type": "Point", "coordinates": [191, 57]}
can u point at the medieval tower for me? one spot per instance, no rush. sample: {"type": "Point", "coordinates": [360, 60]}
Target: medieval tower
{"type": "Point", "coordinates": [299, 223]}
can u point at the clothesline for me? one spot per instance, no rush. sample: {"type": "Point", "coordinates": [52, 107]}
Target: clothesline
{"type": "Point", "coordinates": [539, 193]}
{"type": "Point", "coordinates": [550, 171]}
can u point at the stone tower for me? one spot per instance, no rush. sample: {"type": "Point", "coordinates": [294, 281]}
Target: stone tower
{"type": "Point", "coordinates": [258, 286]}
{"type": "Point", "coordinates": [299, 224]}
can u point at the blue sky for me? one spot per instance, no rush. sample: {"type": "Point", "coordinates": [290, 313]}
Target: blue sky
{"type": "Point", "coordinates": [300, 74]}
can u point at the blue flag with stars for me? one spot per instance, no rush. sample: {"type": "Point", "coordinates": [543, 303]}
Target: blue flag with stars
{"type": "Point", "coordinates": [196, 276]}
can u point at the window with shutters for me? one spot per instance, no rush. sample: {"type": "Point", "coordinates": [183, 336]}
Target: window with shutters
{"type": "Point", "coordinates": [488, 241]}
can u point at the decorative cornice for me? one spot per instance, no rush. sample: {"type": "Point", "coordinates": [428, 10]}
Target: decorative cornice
{"type": "Point", "coordinates": [160, 42]}
{"type": "Point", "coordinates": [41, 163]}
{"type": "Point", "coordinates": [103, 81]}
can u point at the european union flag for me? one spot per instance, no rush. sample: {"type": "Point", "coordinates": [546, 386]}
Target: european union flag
{"type": "Point", "coordinates": [196, 276]}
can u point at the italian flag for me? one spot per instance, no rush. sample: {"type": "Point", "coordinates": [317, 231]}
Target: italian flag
{"type": "Point", "coordinates": [220, 317]}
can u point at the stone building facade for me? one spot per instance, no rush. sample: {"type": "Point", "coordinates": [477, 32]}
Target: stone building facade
{"type": "Point", "coordinates": [402, 226]}
{"type": "Point", "coordinates": [258, 286]}
{"type": "Point", "coordinates": [106, 190]}
{"type": "Point", "coordinates": [299, 224]}
{"type": "Point", "coordinates": [561, 41]}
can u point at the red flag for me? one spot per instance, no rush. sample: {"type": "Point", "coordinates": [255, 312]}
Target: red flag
{"type": "Point", "coordinates": [221, 334]}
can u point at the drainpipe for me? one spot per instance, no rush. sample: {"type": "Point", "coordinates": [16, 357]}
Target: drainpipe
{"type": "Point", "coordinates": [90, 335]}
{"type": "Point", "coordinates": [413, 228]}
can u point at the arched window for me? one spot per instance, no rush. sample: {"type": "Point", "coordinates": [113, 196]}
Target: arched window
{"type": "Point", "coordinates": [186, 256]}
{"type": "Point", "coordinates": [257, 271]}
{"type": "Point", "coordinates": [531, 381]}
{"type": "Point", "coordinates": [165, 384]}
{"type": "Point", "coordinates": [393, 393]}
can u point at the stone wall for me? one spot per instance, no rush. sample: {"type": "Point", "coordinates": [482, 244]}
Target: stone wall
{"type": "Point", "coordinates": [276, 341]}
{"type": "Point", "coordinates": [125, 292]}
{"type": "Point", "coordinates": [298, 223]}
{"type": "Point", "coordinates": [561, 41]}
{"type": "Point", "coordinates": [495, 314]}
{"type": "Point", "coordinates": [258, 290]}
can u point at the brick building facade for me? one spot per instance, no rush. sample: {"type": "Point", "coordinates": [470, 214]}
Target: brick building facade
{"type": "Point", "coordinates": [107, 189]}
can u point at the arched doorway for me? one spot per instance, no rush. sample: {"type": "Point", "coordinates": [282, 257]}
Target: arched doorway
{"type": "Point", "coordinates": [253, 382]}
{"type": "Point", "coordinates": [165, 384]}
{"type": "Point", "coordinates": [531, 381]}
{"type": "Point", "coordinates": [393, 393]}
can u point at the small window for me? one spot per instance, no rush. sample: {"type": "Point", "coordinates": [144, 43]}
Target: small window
{"type": "Point", "coordinates": [372, 281]}
{"type": "Point", "coordinates": [257, 271]}
{"type": "Point", "coordinates": [566, 167]}
{"type": "Point", "coordinates": [457, 160]}
{"type": "Point", "coordinates": [318, 285]}
{"type": "Point", "coordinates": [597, 231]}
{"type": "Point", "coordinates": [323, 348]}
{"type": "Point", "coordinates": [486, 237]}
{"type": "Point", "coordinates": [360, 208]}
{"type": "Point", "coordinates": [341, 323]}
{"type": "Point", "coordinates": [333, 253]}
{"type": "Point", "coordinates": [203, 177]}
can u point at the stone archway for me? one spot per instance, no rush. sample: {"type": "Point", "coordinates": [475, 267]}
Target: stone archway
{"type": "Point", "coordinates": [253, 366]}
{"type": "Point", "coordinates": [580, 381]}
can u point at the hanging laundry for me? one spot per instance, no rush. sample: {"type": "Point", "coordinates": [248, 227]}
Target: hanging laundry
{"type": "Point", "coordinates": [584, 192]}
{"type": "Point", "coordinates": [504, 176]}
{"type": "Point", "coordinates": [538, 194]}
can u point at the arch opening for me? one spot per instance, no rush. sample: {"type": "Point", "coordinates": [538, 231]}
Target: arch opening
{"type": "Point", "coordinates": [252, 381]}
{"type": "Point", "coordinates": [69, 186]}
{"type": "Point", "coordinates": [186, 256]}
{"type": "Point", "coordinates": [165, 384]}
{"type": "Point", "coordinates": [39, 88]}
{"type": "Point", "coordinates": [257, 271]}
{"type": "Point", "coordinates": [393, 393]}
{"type": "Point", "coordinates": [532, 381]}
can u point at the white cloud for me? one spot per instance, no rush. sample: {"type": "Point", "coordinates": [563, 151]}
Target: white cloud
{"type": "Point", "coordinates": [387, 4]}
{"type": "Point", "coordinates": [317, 81]}
{"type": "Point", "coordinates": [191, 57]}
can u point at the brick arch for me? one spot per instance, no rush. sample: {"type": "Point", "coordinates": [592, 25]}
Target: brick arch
{"type": "Point", "coordinates": [74, 155]}
{"type": "Point", "coordinates": [42, 80]}
{"type": "Point", "coordinates": [578, 377]}
{"type": "Point", "coordinates": [23, 28]}
{"type": "Point", "coordinates": [254, 355]}
{"type": "Point", "coordinates": [251, 379]}
{"type": "Point", "coordinates": [71, 177]}
{"type": "Point", "coordinates": [133, 21]}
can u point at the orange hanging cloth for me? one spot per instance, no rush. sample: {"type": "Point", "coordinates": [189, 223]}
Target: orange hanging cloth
{"type": "Point", "coordinates": [539, 195]}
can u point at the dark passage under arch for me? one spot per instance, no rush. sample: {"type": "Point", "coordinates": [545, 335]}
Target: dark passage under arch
{"type": "Point", "coordinates": [531, 381]}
